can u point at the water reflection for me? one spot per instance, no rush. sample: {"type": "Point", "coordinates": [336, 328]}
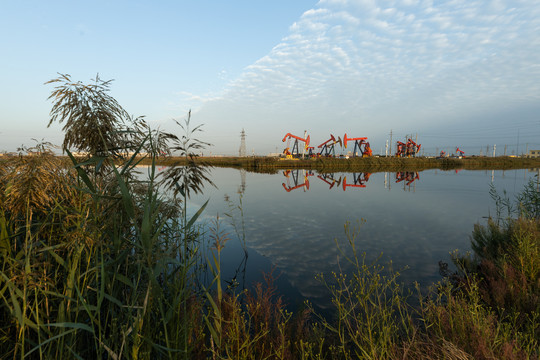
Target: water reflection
{"type": "Point", "coordinates": [359, 181]}
{"type": "Point", "coordinates": [295, 230]}
{"type": "Point", "coordinates": [292, 179]}
{"type": "Point", "coordinates": [408, 178]}
{"type": "Point", "coordinates": [330, 179]}
{"type": "Point", "coordinates": [299, 179]}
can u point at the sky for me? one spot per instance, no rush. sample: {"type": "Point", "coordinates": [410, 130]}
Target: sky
{"type": "Point", "coordinates": [449, 73]}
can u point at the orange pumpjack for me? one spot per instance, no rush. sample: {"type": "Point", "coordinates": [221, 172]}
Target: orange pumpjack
{"type": "Point", "coordinates": [408, 149]}
{"type": "Point", "coordinates": [360, 143]}
{"type": "Point", "coordinates": [294, 151]}
{"type": "Point", "coordinates": [327, 147]}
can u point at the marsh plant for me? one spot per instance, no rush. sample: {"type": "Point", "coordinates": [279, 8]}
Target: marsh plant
{"type": "Point", "coordinates": [96, 263]}
{"type": "Point", "coordinates": [492, 302]}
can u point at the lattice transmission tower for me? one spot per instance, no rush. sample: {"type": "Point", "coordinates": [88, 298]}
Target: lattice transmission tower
{"type": "Point", "coordinates": [242, 151]}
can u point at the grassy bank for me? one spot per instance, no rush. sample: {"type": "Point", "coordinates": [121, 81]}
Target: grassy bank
{"type": "Point", "coordinates": [371, 164]}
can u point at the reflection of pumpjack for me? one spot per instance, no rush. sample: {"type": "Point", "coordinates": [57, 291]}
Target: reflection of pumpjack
{"type": "Point", "coordinates": [329, 179]}
{"type": "Point", "coordinates": [359, 181]}
{"type": "Point", "coordinates": [294, 152]}
{"type": "Point", "coordinates": [408, 176]}
{"type": "Point", "coordinates": [359, 143]}
{"type": "Point", "coordinates": [327, 147]}
{"type": "Point", "coordinates": [294, 175]}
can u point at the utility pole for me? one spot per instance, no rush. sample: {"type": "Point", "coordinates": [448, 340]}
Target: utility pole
{"type": "Point", "coordinates": [494, 147]}
{"type": "Point", "coordinates": [415, 149]}
{"type": "Point", "coordinates": [304, 148]}
{"type": "Point", "coordinates": [390, 142]}
{"type": "Point", "coordinates": [517, 151]}
{"type": "Point", "coordinates": [386, 149]}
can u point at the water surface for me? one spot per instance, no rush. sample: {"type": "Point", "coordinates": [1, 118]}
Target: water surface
{"type": "Point", "coordinates": [291, 220]}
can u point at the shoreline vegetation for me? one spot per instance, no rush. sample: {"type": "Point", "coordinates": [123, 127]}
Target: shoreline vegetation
{"type": "Point", "coordinates": [99, 264]}
{"type": "Point", "coordinates": [364, 164]}
{"type": "Point", "coordinates": [359, 164]}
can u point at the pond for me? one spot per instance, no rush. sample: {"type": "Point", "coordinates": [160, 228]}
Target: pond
{"type": "Point", "coordinates": [290, 221]}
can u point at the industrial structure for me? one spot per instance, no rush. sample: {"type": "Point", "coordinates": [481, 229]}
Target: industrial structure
{"type": "Point", "coordinates": [360, 144]}
{"type": "Point", "coordinates": [295, 152]}
{"type": "Point", "coordinates": [328, 147]}
{"type": "Point", "coordinates": [408, 149]}
{"type": "Point", "coordinates": [242, 150]}
{"type": "Point", "coordinates": [333, 147]}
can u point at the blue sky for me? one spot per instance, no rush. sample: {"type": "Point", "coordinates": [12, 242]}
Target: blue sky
{"type": "Point", "coordinates": [457, 73]}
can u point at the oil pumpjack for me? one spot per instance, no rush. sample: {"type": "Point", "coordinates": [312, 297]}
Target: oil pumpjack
{"type": "Point", "coordinates": [328, 147]}
{"type": "Point", "coordinates": [408, 149]}
{"type": "Point", "coordinates": [294, 152]}
{"type": "Point", "coordinates": [360, 143]}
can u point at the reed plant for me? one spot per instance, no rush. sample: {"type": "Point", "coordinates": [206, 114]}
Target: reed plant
{"type": "Point", "coordinates": [96, 263]}
{"type": "Point", "coordinates": [372, 316]}
{"type": "Point", "coordinates": [253, 324]}
{"type": "Point", "coordinates": [490, 307]}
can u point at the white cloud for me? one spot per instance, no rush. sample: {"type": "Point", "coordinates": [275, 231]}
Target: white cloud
{"type": "Point", "coordinates": [349, 60]}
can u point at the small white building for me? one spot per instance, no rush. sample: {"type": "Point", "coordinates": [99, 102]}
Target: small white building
{"type": "Point", "coordinates": [533, 153]}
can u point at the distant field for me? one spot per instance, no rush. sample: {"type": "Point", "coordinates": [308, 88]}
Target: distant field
{"type": "Point", "coordinates": [368, 164]}
{"type": "Point", "coordinates": [371, 164]}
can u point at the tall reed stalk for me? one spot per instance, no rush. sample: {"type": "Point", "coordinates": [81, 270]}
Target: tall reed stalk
{"type": "Point", "coordinates": [95, 263]}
